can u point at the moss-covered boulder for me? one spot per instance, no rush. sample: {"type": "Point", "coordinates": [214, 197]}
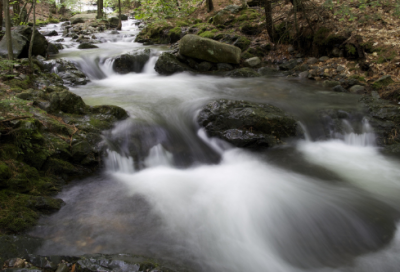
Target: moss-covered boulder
{"type": "Point", "coordinates": [246, 124]}
{"type": "Point", "coordinates": [209, 50]}
{"type": "Point", "coordinates": [113, 21]}
{"type": "Point", "coordinates": [168, 64]}
{"type": "Point", "coordinates": [21, 37]}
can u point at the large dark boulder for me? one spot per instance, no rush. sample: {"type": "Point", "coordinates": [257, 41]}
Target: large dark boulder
{"type": "Point", "coordinates": [246, 124]}
{"type": "Point", "coordinates": [21, 37]}
{"type": "Point", "coordinates": [52, 49]}
{"type": "Point", "coordinates": [114, 21]}
{"type": "Point", "coordinates": [209, 50]}
{"type": "Point", "coordinates": [168, 64]}
{"type": "Point", "coordinates": [87, 45]}
{"type": "Point", "coordinates": [50, 33]}
{"type": "Point", "coordinates": [132, 62]}
{"type": "Point", "coordinates": [66, 70]}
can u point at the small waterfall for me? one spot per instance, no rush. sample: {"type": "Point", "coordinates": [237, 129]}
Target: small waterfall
{"type": "Point", "coordinates": [365, 138]}
{"type": "Point", "coordinates": [118, 163]}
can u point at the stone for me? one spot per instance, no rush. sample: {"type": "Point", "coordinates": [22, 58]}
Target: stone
{"type": "Point", "coordinates": [289, 65]}
{"type": "Point", "coordinates": [223, 17]}
{"type": "Point", "coordinates": [357, 89]}
{"type": "Point", "coordinates": [251, 29]}
{"type": "Point", "coordinates": [62, 267]}
{"type": "Point", "coordinates": [87, 46]}
{"type": "Point", "coordinates": [291, 49]}
{"type": "Point", "coordinates": [168, 64]}
{"type": "Point", "coordinates": [21, 36]}
{"type": "Point", "coordinates": [268, 71]}
{"type": "Point", "coordinates": [50, 33]}
{"type": "Point", "coordinates": [323, 59]}
{"type": "Point", "coordinates": [114, 32]}
{"type": "Point", "coordinates": [204, 66]}
{"type": "Point", "coordinates": [382, 82]}
{"type": "Point", "coordinates": [224, 67]}
{"type": "Point", "coordinates": [311, 61]}
{"type": "Point", "coordinates": [52, 49]}
{"type": "Point", "coordinates": [340, 68]}
{"type": "Point", "coordinates": [331, 83]}
{"type": "Point", "coordinates": [113, 21]}
{"type": "Point", "coordinates": [243, 72]}
{"type": "Point", "coordinates": [124, 17]}
{"type": "Point", "coordinates": [304, 74]}
{"type": "Point", "coordinates": [77, 21]}
{"type": "Point", "coordinates": [252, 62]}
{"type": "Point", "coordinates": [132, 62]}
{"type": "Point", "coordinates": [246, 124]}
{"type": "Point", "coordinates": [209, 50]}
{"type": "Point", "coordinates": [339, 89]}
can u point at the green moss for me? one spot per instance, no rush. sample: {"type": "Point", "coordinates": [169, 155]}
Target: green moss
{"type": "Point", "coordinates": [243, 17]}
{"type": "Point", "coordinates": [320, 35]}
{"type": "Point", "coordinates": [246, 55]}
{"type": "Point", "coordinates": [182, 23]}
{"type": "Point", "coordinates": [5, 172]}
{"type": "Point", "coordinates": [358, 77]}
{"type": "Point", "coordinates": [243, 43]}
{"type": "Point", "coordinates": [207, 34]}
{"type": "Point", "coordinates": [175, 31]}
{"type": "Point", "coordinates": [382, 82]}
{"type": "Point", "coordinates": [350, 49]}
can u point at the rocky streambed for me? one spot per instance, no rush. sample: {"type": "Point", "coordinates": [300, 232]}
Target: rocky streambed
{"type": "Point", "coordinates": [170, 176]}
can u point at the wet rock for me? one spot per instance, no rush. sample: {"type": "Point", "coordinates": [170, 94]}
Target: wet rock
{"type": "Point", "coordinates": [114, 32]}
{"type": "Point", "coordinates": [87, 46]}
{"type": "Point", "coordinates": [113, 21]}
{"type": "Point", "coordinates": [77, 21]}
{"type": "Point", "coordinates": [243, 72]}
{"type": "Point", "coordinates": [67, 102]}
{"type": "Point", "coordinates": [289, 65]}
{"type": "Point", "coordinates": [124, 17]}
{"type": "Point", "coordinates": [268, 71]}
{"type": "Point", "coordinates": [382, 82]}
{"type": "Point", "coordinates": [204, 66]}
{"type": "Point", "coordinates": [331, 83]}
{"type": "Point", "coordinates": [304, 74]}
{"type": "Point", "coordinates": [209, 50]}
{"type": "Point", "coordinates": [246, 124]}
{"type": "Point", "coordinates": [323, 59]}
{"type": "Point", "coordinates": [52, 49]}
{"type": "Point", "coordinates": [132, 62]}
{"type": "Point", "coordinates": [21, 36]}
{"type": "Point", "coordinates": [50, 33]}
{"type": "Point", "coordinates": [339, 89]}
{"type": "Point", "coordinates": [12, 246]}
{"type": "Point", "coordinates": [357, 89]}
{"type": "Point", "coordinates": [224, 67]}
{"type": "Point", "coordinates": [312, 61]}
{"type": "Point", "coordinates": [252, 62]}
{"type": "Point", "coordinates": [168, 64]}
{"type": "Point", "coordinates": [67, 71]}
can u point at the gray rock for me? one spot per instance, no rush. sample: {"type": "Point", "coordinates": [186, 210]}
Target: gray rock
{"type": "Point", "coordinates": [331, 83]}
{"type": "Point", "coordinates": [289, 65]}
{"type": "Point", "coordinates": [311, 61]}
{"type": "Point", "coordinates": [358, 89]}
{"type": "Point", "coordinates": [50, 33]}
{"type": "Point", "coordinates": [132, 62]}
{"type": "Point", "coordinates": [52, 49]}
{"type": "Point", "coordinates": [86, 45]}
{"type": "Point", "coordinates": [339, 89]}
{"type": "Point", "coordinates": [21, 36]}
{"type": "Point", "coordinates": [340, 68]}
{"type": "Point", "coordinates": [323, 59]}
{"type": "Point", "coordinates": [168, 64]}
{"type": "Point", "coordinates": [114, 32]}
{"type": "Point", "coordinates": [304, 74]}
{"type": "Point", "coordinates": [209, 50]}
{"type": "Point", "coordinates": [77, 21]}
{"type": "Point", "coordinates": [243, 72]}
{"type": "Point", "coordinates": [246, 124]}
{"type": "Point", "coordinates": [252, 62]}
{"type": "Point", "coordinates": [204, 66]}
{"type": "Point", "coordinates": [224, 67]}
{"type": "Point", "coordinates": [114, 21]}
{"type": "Point", "coordinates": [382, 82]}
{"type": "Point", "coordinates": [268, 71]}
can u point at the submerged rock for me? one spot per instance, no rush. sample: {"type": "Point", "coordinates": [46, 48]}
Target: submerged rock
{"type": "Point", "coordinates": [87, 45]}
{"type": "Point", "coordinates": [243, 72]}
{"type": "Point", "coordinates": [246, 124]}
{"type": "Point", "coordinates": [209, 50]}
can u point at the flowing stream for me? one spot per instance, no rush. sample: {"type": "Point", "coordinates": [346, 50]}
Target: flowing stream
{"type": "Point", "coordinates": [325, 203]}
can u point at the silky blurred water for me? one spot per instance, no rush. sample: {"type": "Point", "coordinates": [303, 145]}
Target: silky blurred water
{"type": "Point", "coordinates": [328, 202]}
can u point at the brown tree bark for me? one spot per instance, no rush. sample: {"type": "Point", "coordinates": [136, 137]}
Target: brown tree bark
{"type": "Point", "coordinates": [1, 14]}
{"type": "Point", "coordinates": [209, 5]}
{"type": "Point", "coordinates": [119, 22]}
{"type": "Point", "coordinates": [32, 37]}
{"type": "Point", "coordinates": [268, 20]}
{"type": "Point", "coordinates": [99, 9]}
{"type": "Point", "coordinates": [8, 29]}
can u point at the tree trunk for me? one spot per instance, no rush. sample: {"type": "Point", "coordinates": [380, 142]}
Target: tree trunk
{"type": "Point", "coordinates": [210, 5]}
{"type": "Point", "coordinates": [99, 9]}
{"type": "Point", "coordinates": [1, 15]}
{"type": "Point", "coordinates": [8, 29]}
{"type": "Point", "coordinates": [268, 20]}
{"type": "Point", "coordinates": [119, 22]}
{"type": "Point", "coordinates": [32, 37]}
{"type": "Point", "coordinates": [29, 14]}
